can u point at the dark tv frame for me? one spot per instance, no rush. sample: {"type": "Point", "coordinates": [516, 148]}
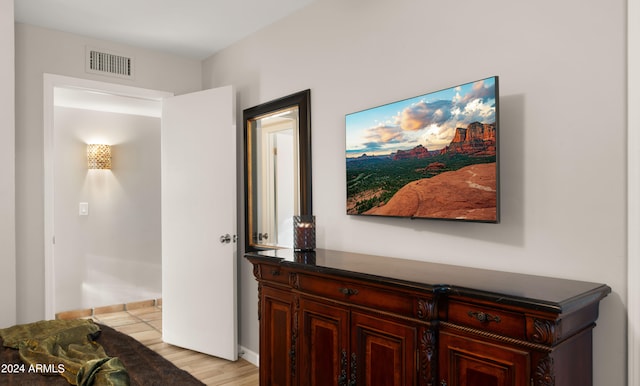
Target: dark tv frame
{"type": "Point", "coordinates": [455, 157]}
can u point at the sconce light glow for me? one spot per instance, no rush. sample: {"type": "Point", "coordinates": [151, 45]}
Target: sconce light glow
{"type": "Point", "coordinates": [99, 156]}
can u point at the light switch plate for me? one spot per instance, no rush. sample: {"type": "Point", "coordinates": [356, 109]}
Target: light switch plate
{"type": "Point", "coordinates": [83, 209]}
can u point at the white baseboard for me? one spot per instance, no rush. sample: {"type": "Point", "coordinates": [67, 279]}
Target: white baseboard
{"type": "Point", "coordinates": [249, 356]}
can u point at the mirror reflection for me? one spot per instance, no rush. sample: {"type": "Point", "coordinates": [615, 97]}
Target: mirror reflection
{"type": "Point", "coordinates": [277, 150]}
{"type": "Point", "coordinates": [276, 176]}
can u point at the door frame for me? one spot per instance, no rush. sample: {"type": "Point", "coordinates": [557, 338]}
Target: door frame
{"type": "Point", "coordinates": [50, 82]}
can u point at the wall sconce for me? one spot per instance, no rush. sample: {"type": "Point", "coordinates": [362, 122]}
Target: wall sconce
{"type": "Point", "coordinates": [99, 156]}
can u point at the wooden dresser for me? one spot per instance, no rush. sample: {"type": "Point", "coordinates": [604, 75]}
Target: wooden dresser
{"type": "Point", "coordinates": [339, 318]}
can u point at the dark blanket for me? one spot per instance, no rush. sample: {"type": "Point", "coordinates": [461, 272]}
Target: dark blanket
{"type": "Point", "coordinates": [145, 367]}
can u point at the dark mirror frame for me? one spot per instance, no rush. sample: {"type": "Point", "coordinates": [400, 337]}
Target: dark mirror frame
{"type": "Point", "coordinates": [301, 99]}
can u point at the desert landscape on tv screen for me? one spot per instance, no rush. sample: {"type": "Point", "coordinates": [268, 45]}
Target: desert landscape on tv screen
{"type": "Point", "coordinates": [432, 156]}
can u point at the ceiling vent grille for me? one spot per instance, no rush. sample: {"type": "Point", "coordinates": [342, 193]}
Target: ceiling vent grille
{"type": "Point", "coordinates": [109, 63]}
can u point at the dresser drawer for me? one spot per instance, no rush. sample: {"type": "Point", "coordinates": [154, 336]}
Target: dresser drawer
{"type": "Point", "coordinates": [361, 294]}
{"type": "Point", "coordinates": [489, 319]}
{"type": "Point", "coordinates": [274, 273]}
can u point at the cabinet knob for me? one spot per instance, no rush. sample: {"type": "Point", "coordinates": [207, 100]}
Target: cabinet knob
{"type": "Point", "coordinates": [483, 316]}
{"type": "Point", "coordinates": [348, 291]}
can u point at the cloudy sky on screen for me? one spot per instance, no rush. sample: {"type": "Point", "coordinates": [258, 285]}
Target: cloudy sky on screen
{"type": "Point", "coordinates": [429, 120]}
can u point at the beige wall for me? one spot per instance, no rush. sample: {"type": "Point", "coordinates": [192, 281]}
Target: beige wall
{"type": "Point", "coordinates": [562, 133]}
{"type": "Point", "coordinates": [40, 51]}
{"type": "Point", "coordinates": [7, 168]}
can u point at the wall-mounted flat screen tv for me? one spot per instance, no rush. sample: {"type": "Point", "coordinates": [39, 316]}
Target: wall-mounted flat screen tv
{"type": "Point", "coordinates": [434, 156]}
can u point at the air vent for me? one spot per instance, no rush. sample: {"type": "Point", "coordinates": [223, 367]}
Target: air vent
{"type": "Point", "coordinates": [109, 63]}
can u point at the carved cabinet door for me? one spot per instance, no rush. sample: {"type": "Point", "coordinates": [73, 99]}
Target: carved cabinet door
{"type": "Point", "coordinates": [324, 343]}
{"type": "Point", "coordinates": [383, 352]}
{"type": "Point", "coordinates": [276, 340]}
{"type": "Point", "coordinates": [466, 361]}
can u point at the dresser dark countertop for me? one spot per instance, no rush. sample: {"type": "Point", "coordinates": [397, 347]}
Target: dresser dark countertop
{"type": "Point", "coordinates": [529, 291]}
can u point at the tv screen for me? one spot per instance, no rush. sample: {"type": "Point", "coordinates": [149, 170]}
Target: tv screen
{"type": "Point", "coordinates": [434, 156]}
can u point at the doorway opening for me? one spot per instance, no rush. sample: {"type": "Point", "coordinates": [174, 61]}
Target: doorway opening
{"type": "Point", "coordinates": [102, 227]}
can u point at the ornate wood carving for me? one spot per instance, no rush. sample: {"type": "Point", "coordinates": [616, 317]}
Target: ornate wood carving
{"type": "Point", "coordinates": [294, 334]}
{"type": "Point", "coordinates": [544, 373]}
{"type": "Point", "coordinates": [498, 337]}
{"type": "Point", "coordinates": [426, 309]}
{"type": "Point", "coordinates": [342, 380]}
{"type": "Point", "coordinates": [259, 300]}
{"type": "Point", "coordinates": [543, 332]}
{"type": "Point", "coordinates": [257, 272]}
{"type": "Point", "coordinates": [294, 280]}
{"type": "Point", "coordinates": [354, 372]}
{"type": "Point", "coordinates": [428, 350]}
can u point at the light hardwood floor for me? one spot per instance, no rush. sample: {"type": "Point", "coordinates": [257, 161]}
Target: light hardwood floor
{"type": "Point", "coordinates": [143, 321]}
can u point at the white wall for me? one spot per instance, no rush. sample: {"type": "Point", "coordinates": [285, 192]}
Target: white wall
{"type": "Point", "coordinates": [7, 168]}
{"type": "Point", "coordinates": [562, 133]}
{"type": "Point", "coordinates": [40, 51]}
{"type": "Point", "coordinates": [117, 247]}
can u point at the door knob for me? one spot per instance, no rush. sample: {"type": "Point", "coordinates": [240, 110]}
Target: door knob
{"type": "Point", "coordinates": [225, 239]}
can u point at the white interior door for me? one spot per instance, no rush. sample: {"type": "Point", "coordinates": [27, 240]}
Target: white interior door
{"type": "Point", "coordinates": [198, 207]}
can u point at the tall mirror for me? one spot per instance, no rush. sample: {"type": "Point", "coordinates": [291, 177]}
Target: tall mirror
{"type": "Point", "coordinates": [277, 169]}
